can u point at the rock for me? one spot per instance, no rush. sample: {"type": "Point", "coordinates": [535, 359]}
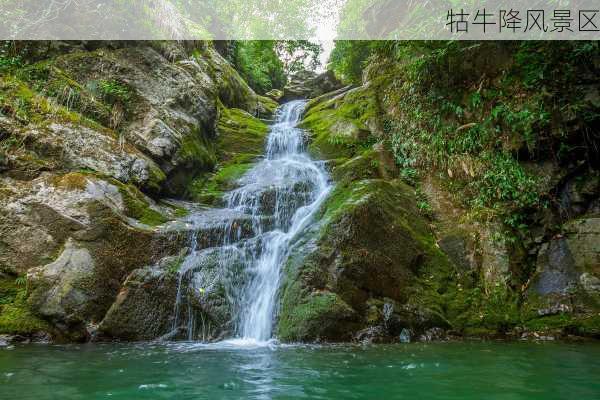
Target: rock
{"type": "Point", "coordinates": [554, 309]}
{"type": "Point", "coordinates": [583, 238]}
{"type": "Point", "coordinates": [307, 84]}
{"type": "Point", "coordinates": [66, 297]}
{"type": "Point", "coordinates": [590, 283]}
{"type": "Point", "coordinates": [433, 334]}
{"type": "Point", "coordinates": [144, 308]}
{"type": "Point", "coordinates": [405, 336]}
{"type": "Point", "coordinates": [372, 334]}
{"type": "Point", "coordinates": [362, 250]}
{"type": "Point", "coordinates": [50, 209]}
{"type": "Point", "coordinates": [82, 243]}
{"type": "Point", "coordinates": [274, 94]}
{"type": "Point", "coordinates": [5, 340]}
{"type": "Point", "coordinates": [556, 272]}
{"type": "Point", "coordinates": [336, 129]}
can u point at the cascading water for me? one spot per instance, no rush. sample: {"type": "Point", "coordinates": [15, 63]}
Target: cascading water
{"type": "Point", "coordinates": [238, 271]}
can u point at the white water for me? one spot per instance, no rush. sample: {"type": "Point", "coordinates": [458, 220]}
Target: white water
{"type": "Point", "coordinates": [275, 201]}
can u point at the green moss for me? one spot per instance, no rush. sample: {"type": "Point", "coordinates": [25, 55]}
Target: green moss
{"type": "Point", "coordinates": [241, 140]}
{"type": "Point", "coordinates": [137, 207]}
{"type": "Point", "coordinates": [210, 189]}
{"type": "Point", "coordinates": [25, 105]}
{"type": "Point", "coordinates": [340, 126]}
{"type": "Point", "coordinates": [240, 133]}
{"type": "Point", "coordinates": [317, 315]}
{"type": "Point", "coordinates": [196, 151]}
{"type": "Point", "coordinates": [16, 318]}
{"type": "Point", "coordinates": [267, 106]}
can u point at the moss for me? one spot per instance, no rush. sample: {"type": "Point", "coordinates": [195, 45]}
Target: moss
{"type": "Point", "coordinates": [320, 315]}
{"type": "Point", "coordinates": [241, 140]}
{"type": "Point", "coordinates": [25, 105]}
{"type": "Point", "coordinates": [137, 207]}
{"type": "Point", "coordinates": [267, 106]}
{"type": "Point", "coordinates": [174, 265]}
{"type": "Point", "coordinates": [209, 190]}
{"type": "Point", "coordinates": [240, 133]}
{"type": "Point", "coordinates": [196, 151]}
{"type": "Point", "coordinates": [71, 180]}
{"type": "Point", "coordinates": [16, 318]}
{"type": "Point", "coordinates": [340, 126]}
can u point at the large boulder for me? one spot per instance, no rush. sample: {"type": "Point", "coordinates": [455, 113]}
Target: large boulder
{"type": "Point", "coordinates": [84, 235]}
{"type": "Point", "coordinates": [367, 251]}
{"type": "Point", "coordinates": [144, 309]}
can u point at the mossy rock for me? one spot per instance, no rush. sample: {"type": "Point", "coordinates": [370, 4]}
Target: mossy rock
{"type": "Point", "coordinates": [239, 133]}
{"type": "Point", "coordinates": [16, 317]}
{"type": "Point", "coordinates": [370, 246]}
{"type": "Point", "coordinates": [241, 140]}
{"type": "Point", "coordinates": [341, 126]}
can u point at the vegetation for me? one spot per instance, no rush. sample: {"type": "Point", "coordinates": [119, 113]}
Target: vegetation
{"type": "Point", "coordinates": [258, 62]}
{"type": "Point", "coordinates": [15, 315]}
{"type": "Point", "coordinates": [265, 64]}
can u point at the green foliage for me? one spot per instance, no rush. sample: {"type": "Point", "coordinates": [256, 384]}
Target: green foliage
{"type": "Point", "coordinates": [258, 63]}
{"type": "Point", "coordinates": [348, 59]}
{"type": "Point", "coordinates": [298, 55]}
{"type": "Point", "coordinates": [113, 91]}
{"type": "Point", "coordinates": [8, 57]}
{"type": "Point", "coordinates": [505, 181]}
{"type": "Point", "coordinates": [15, 314]}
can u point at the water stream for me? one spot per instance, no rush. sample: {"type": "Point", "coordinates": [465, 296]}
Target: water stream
{"type": "Point", "coordinates": [237, 252]}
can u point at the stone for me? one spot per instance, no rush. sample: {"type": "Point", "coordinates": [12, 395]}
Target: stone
{"type": "Point", "coordinates": [5, 340]}
{"type": "Point", "coordinates": [405, 336]}
{"type": "Point", "coordinates": [583, 238]}
{"type": "Point", "coordinates": [371, 244]}
{"type": "Point", "coordinates": [307, 84]}
{"type": "Point", "coordinates": [144, 308]}
{"type": "Point", "coordinates": [556, 270]}
{"type": "Point", "coordinates": [274, 94]}
{"type": "Point", "coordinates": [590, 283]}
{"type": "Point", "coordinates": [433, 334]}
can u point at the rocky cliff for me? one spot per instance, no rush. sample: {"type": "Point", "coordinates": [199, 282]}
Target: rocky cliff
{"type": "Point", "coordinates": [466, 201]}
{"type": "Point", "coordinates": [94, 138]}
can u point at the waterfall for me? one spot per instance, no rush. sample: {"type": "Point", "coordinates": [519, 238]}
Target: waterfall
{"type": "Point", "coordinates": [237, 253]}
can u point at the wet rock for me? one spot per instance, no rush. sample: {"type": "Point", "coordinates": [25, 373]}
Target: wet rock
{"type": "Point", "coordinates": [372, 334]}
{"type": "Point", "coordinates": [362, 250]}
{"type": "Point", "coordinates": [144, 308]}
{"type": "Point", "coordinates": [433, 334]}
{"type": "Point", "coordinates": [405, 336]}
{"type": "Point", "coordinates": [556, 272]}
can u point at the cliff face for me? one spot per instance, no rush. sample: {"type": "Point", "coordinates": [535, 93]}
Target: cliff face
{"type": "Point", "coordinates": [93, 137]}
{"type": "Point", "coordinates": [498, 146]}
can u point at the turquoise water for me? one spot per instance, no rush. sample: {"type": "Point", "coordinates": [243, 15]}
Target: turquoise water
{"type": "Point", "coordinates": [474, 370]}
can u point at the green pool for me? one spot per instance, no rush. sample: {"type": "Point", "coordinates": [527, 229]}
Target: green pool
{"type": "Point", "coordinates": [471, 370]}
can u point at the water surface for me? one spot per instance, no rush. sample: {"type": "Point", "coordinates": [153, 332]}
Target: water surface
{"type": "Point", "coordinates": [472, 370]}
